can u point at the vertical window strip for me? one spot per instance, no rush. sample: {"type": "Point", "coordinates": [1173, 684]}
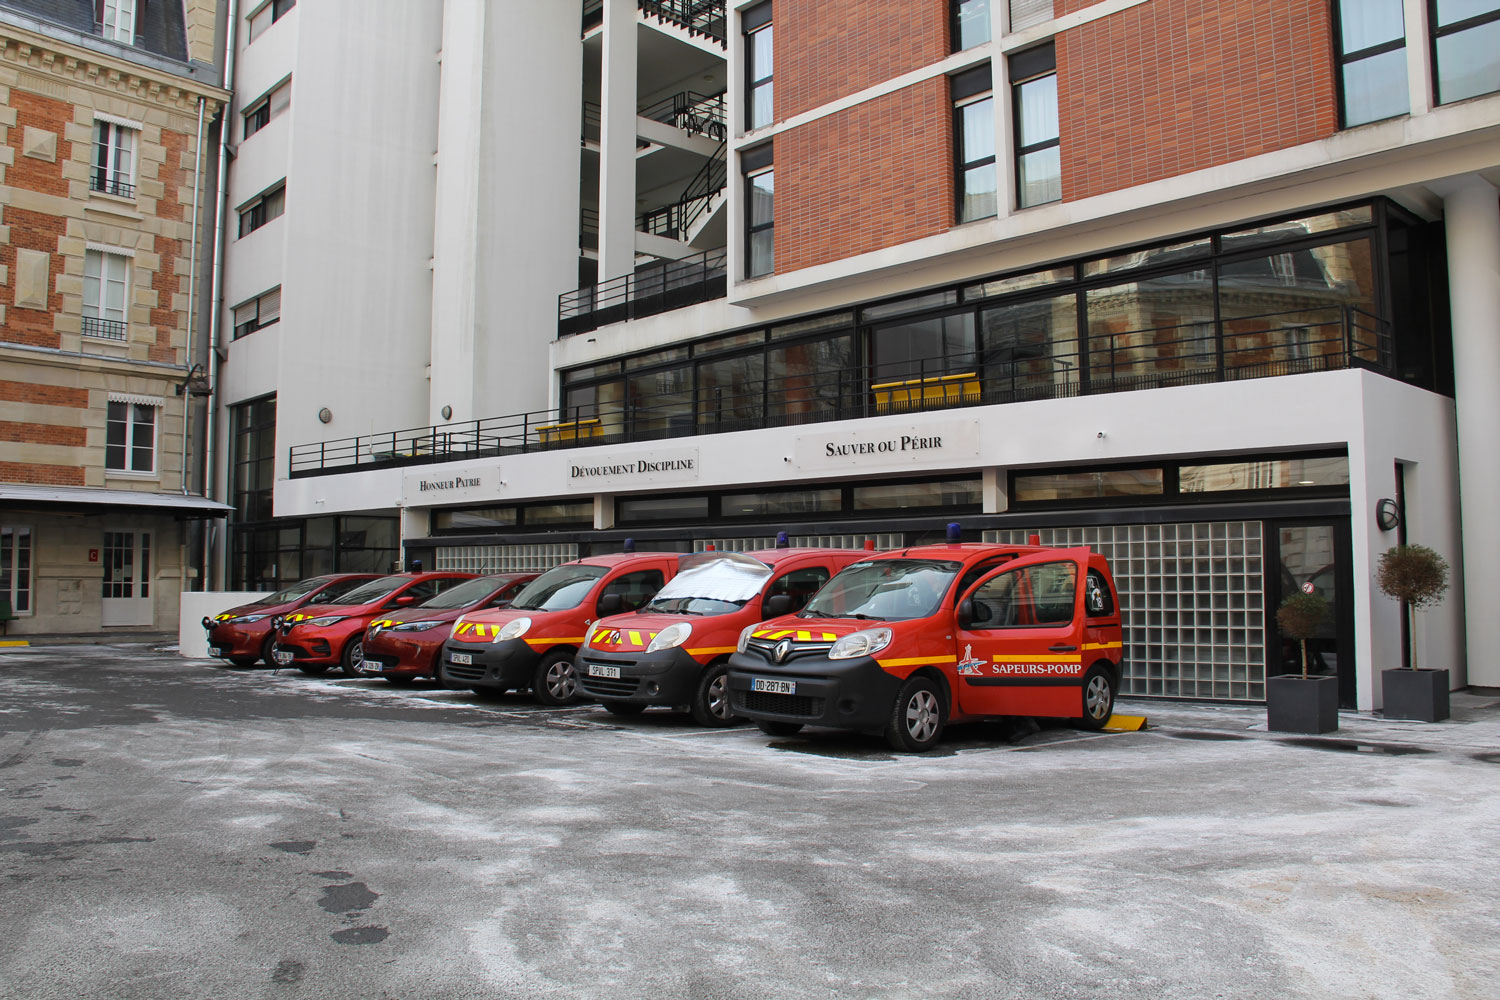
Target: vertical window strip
{"type": "Point", "coordinates": [1372, 61]}
{"type": "Point", "coordinates": [1033, 77]}
{"type": "Point", "coordinates": [15, 567]}
{"type": "Point", "coordinates": [1465, 48]}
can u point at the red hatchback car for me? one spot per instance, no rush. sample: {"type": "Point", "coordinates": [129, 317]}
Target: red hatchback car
{"type": "Point", "coordinates": [244, 634]}
{"type": "Point", "coordinates": [403, 646]}
{"type": "Point", "coordinates": [315, 639]}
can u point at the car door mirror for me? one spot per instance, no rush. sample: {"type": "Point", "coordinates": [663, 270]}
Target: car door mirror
{"type": "Point", "coordinates": [405, 600]}
{"type": "Point", "coordinates": [965, 613]}
{"type": "Point", "coordinates": [777, 605]}
{"type": "Point", "coordinates": [610, 604]}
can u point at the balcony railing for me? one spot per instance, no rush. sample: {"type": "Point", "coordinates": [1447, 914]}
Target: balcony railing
{"type": "Point", "coordinates": [653, 289]}
{"type": "Point", "coordinates": [696, 114]}
{"type": "Point", "coordinates": [110, 185]}
{"type": "Point", "coordinates": [1273, 344]}
{"type": "Point", "coordinates": [701, 17]}
{"type": "Point", "coordinates": [105, 329]}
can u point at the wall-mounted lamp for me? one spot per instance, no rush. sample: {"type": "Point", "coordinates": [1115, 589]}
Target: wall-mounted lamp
{"type": "Point", "coordinates": [447, 412]}
{"type": "Point", "coordinates": [1387, 514]}
{"type": "Point", "coordinates": [325, 415]}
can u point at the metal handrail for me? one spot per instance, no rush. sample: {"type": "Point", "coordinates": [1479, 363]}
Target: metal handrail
{"type": "Point", "coordinates": [694, 113]}
{"type": "Point", "coordinates": [105, 329]}
{"type": "Point", "coordinates": [99, 181]}
{"type": "Point", "coordinates": [699, 17]}
{"type": "Point", "coordinates": [652, 289]}
{"type": "Point", "coordinates": [1294, 342]}
{"type": "Point", "coordinates": [675, 221]}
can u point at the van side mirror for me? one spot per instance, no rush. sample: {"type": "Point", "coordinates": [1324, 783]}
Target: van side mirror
{"type": "Point", "coordinates": [965, 613]}
{"type": "Point", "coordinates": [777, 605]}
{"type": "Point", "coordinates": [610, 604]}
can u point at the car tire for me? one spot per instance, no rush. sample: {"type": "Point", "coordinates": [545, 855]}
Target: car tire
{"type": "Point", "coordinates": [623, 707]}
{"type": "Point", "coordinates": [779, 728]}
{"type": "Point", "coordinates": [1098, 697]}
{"type": "Point", "coordinates": [266, 648]}
{"type": "Point", "coordinates": [314, 669]}
{"type": "Point", "coordinates": [710, 705]}
{"type": "Point", "coordinates": [917, 716]}
{"type": "Point", "coordinates": [244, 661]}
{"type": "Point", "coordinates": [353, 656]}
{"type": "Point", "coordinates": [556, 679]}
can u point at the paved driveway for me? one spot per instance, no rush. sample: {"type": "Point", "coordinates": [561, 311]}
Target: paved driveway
{"type": "Point", "coordinates": [172, 828]}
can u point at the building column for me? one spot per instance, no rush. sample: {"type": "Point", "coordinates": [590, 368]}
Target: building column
{"type": "Point", "coordinates": [1471, 210]}
{"type": "Point", "coordinates": [617, 140]}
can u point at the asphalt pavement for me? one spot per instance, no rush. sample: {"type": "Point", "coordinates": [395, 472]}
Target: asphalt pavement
{"type": "Point", "coordinates": [175, 828]}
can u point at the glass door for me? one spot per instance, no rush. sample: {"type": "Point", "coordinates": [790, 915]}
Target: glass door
{"type": "Point", "coordinates": [1312, 558]}
{"type": "Point", "coordinates": [126, 584]}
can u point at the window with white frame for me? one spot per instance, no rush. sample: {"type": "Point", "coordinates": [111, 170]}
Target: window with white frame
{"type": "Point", "coordinates": [117, 19]}
{"type": "Point", "coordinates": [268, 14]}
{"type": "Point", "coordinates": [260, 311]}
{"type": "Point", "coordinates": [15, 567]}
{"type": "Point", "coordinates": [259, 114]}
{"type": "Point", "coordinates": [263, 209]}
{"type": "Point", "coordinates": [106, 280]}
{"type": "Point", "coordinates": [130, 434]}
{"type": "Point", "coordinates": [113, 171]}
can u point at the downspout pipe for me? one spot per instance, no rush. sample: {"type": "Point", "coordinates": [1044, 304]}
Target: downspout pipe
{"type": "Point", "coordinates": [210, 575]}
{"type": "Point", "coordinates": [187, 394]}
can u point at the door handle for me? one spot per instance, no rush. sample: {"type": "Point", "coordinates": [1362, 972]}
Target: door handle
{"type": "Point", "coordinates": [1060, 648]}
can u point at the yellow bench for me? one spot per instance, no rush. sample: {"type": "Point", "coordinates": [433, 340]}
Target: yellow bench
{"type": "Point", "coordinates": [570, 430]}
{"type": "Point", "coordinates": [920, 393]}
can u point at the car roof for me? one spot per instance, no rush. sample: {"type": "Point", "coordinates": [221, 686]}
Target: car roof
{"type": "Point", "coordinates": [617, 558]}
{"type": "Point", "coordinates": [772, 557]}
{"type": "Point", "coordinates": [967, 552]}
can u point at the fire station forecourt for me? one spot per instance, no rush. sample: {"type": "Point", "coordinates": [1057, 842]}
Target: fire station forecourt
{"type": "Point", "coordinates": [176, 828]}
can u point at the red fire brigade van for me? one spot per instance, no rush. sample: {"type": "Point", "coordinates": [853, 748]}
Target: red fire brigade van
{"type": "Point", "coordinates": [316, 639]}
{"type": "Point", "coordinates": [245, 634]}
{"type": "Point", "coordinates": [531, 644]}
{"type": "Point", "coordinates": [403, 645]}
{"type": "Point", "coordinates": [904, 642]}
{"type": "Point", "coordinates": [675, 649]}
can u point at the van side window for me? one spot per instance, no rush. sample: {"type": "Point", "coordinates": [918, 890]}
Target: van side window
{"type": "Point", "coordinates": [799, 584]}
{"type": "Point", "coordinates": [635, 588]}
{"type": "Point", "coordinates": [975, 572]}
{"type": "Point", "coordinates": [1028, 597]}
{"type": "Point", "coordinates": [1096, 598]}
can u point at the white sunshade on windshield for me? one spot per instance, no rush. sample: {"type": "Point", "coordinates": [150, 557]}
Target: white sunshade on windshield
{"type": "Point", "coordinates": [722, 576]}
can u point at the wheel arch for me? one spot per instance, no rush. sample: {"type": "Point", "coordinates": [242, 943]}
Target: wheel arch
{"type": "Point", "coordinates": [941, 680]}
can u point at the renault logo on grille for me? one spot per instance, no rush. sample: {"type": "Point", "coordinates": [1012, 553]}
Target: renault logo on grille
{"type": "Point", "coordinates": [781, 651]}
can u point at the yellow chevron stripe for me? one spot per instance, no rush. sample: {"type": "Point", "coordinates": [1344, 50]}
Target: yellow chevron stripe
{"type": "Point", "coordinates": [711, 650]}
{"type": "Point", "coordinates": [906, 661]}
{"type": "Point", "coordinates": [1103, 645]}
{"type": "Point", "coordinates": [554, 639]}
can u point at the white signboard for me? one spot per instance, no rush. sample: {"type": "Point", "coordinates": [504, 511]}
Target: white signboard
{"type": "Point", "coordinates": [444, 484]}
{"type": "Point", "coordinates": [947, 442]}
{"type": "Point", "coordinates": [632, 468]}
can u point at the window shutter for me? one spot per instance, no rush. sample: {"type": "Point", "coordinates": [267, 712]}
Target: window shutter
{"type": "Point", "coordinates": [1025, 13]}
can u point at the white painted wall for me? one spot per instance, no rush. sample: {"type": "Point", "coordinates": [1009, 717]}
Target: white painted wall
{"type": "Point", "coordinates": [192, 641]}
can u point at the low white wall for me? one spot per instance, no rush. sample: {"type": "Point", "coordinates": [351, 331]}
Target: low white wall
{"type": "Point", "coordinates": [191, 640]}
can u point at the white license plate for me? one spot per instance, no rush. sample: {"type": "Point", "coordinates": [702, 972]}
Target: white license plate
{"type": "Point", "coordinates": [282, 656]}
{"type": "Point", "coordinates": [597, 671]}
{"type": "Point", "coordinates": [773, 687]}
{"type": "Point", "coordinates": [215, 651]}
{"type": "Point", "coordinates": [461, 658]}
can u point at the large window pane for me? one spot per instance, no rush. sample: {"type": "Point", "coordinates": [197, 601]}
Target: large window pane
{"type": "Point", "coordinates": [790, 502]}
{"type": "Point", "coordinates": [807, 382]}
{"type": "Point", "coordinates": [924, 348]}
{"type": "Point", "coordinates": [661, 403]}
{"type": "Point", "coordinates": [730, 393]}
{"type": "Point", "coordinates": [1037, 117]}
{"type": "Point", "coordinates": [1157, 331]}
{"type": "Point", "coordinates": [1375, 88]}
{"type": "Point", "coordinates": [1363, 23]}
{"type": "Point", "coordinates": [971, 23]}
{"type": "Point", "coordinates": [1087, 485]}
{"type": "Point", "coordinates": [1041, 177]}
{"type": "Point", "coordinates": [899, 496]}
{"type": "Point", "coordinates": [1267, 475]}
{"type": "Point", "coordinates": [1468, 63]}
{"type": "Point", "coordinates": [1030, 349]}
{"type": "Point", "coordinates": [1453, 11]}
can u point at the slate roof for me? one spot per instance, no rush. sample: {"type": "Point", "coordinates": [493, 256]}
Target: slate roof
{"type": "Point", "coordinates": [159, 26]}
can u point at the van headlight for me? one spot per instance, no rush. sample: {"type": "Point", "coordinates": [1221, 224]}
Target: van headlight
{"type": "Point", "coordinates": [871, 640]}
{"type": "Point", "coordinates": [673, 635]}
{"type": "Point", "coordinates": [514, 629]}
{"type": "Point", "coordinates": [745, 636]}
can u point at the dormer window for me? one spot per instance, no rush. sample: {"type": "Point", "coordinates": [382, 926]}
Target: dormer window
{"type": "Point", "coordinates": [117, 20]}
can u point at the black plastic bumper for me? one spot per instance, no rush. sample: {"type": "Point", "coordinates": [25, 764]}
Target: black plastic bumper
{"type": "Point", "coordinates": [507, 664]}
{"type": "Point", "coordinates": [664, 677]}
{"type": "Point", "coordinates": [842, 694]}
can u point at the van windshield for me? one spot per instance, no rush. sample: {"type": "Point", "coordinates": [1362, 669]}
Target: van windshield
{"type": "Point", "coordinates": [884, 590]}
{"type": "Point", "coordinates": [559, 588]}
{"type": "Point", "coordinates": [711, 583]}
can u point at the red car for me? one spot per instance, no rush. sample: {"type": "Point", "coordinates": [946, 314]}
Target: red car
{"type": "Point", "coordinates": [403, 646]}
{"type": "Point", "coordinates": [244, 634]}
{"type": "Point", "coordinates": [314, 640]}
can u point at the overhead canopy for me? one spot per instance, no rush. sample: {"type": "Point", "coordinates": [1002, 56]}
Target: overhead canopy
{"type": "Point", "coordinates": [80, 499]}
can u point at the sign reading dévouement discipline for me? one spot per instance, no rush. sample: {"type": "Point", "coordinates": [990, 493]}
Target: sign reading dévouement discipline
{"type": "Point", "coordinates": [865, 447]}
{"type": "Point", "coordinates": [644, 467]}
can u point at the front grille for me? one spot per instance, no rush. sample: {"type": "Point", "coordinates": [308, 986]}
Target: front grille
{"type": "Point", "coordinates": [464, 671]}
{"type": "Point", "coordinates": [765, 649]}
{"type": "Point", "coordinates": [609, 687]}
{"type": "Point", "coordinates": [798, 705]}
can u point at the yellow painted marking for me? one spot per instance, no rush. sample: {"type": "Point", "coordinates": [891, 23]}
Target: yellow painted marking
{"type": "Point", "coordinates": [383, 623]}
{"type": "Point", "coordinates": [635, 637]}
{"type": "Point", "coordinates": [711, 650]}
{"type": "Point", "coordinates": [829, 637]}
{"type": "Point", "coordinates": [780, 634]}
{"type": "Point", "coordinates": [1037, 659]}
{"type": "Point", "coordinates": [906, 661]}
{"type": "Point", "coordinates": [14, 642]}
{"type": "Point", "coordinates": [543, 642]}
{"type": "Point", "coordinates": [225, 617]}
{"type": "Point", "coordinates": [1103, 645]}
{"type": "Point", "coordinates": [1125, 723]}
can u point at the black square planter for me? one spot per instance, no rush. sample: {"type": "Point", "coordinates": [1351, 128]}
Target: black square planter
{"type": "Point", "coordinates": [1295, 704]}
{"type": "Point", "coordinates": [1414, 694]}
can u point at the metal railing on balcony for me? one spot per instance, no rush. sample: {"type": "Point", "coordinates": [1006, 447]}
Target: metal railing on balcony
{"type": "Point", "coordinates": [99, 181]}
{"type": "Point", "coordinates": [699, 17]}
{"type": "Point", "coordinates": [655, 288]}
{"type": "Point", "coordinates": [104, 329]}
{"type": "Point", "coordinates": [1272, 344]}
{"type": "Point", "coordinates": [693, 113]}
{"type": "Point", "coordinates": [676, 221]}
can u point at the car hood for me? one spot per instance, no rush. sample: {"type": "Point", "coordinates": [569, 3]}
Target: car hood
{"type": "Point", "coordinates": [815, 629]}
{"type": "Point", "coordinates": [329, 611]}
{"type": "Point", "coordinates": [632, 633]}
{"type": "Point", "coordinates": [254, 609]}
{"type": "Point", "coordinates": [417, 615]}
{"type": "Point", "coordinates": [485, 625]}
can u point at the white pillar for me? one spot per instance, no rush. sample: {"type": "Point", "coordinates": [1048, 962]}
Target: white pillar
{"type": "Point", "coordinates": [617, 141]}
{"type": "Point", "coordinates": [1471, 210]}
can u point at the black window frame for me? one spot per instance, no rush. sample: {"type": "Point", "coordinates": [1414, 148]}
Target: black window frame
{"type": "Point", "coordinates": [246, 420]}
{"type": "Point", "coordinates": [1436, 31]}
{"type": "Point", "coordinates": [755, 164]}
{"type": "Point", "coordinates": [1342, 59]}
{"type": "Point", "coordinates": [254, 214]}
{"type": "Point", "coordinates": [1028, 66]}
{"type": "Point", "coordinates": [753, 21]}
{"type": "Point", "coordinates": [955, 32]}
{"type": "Point", "coordinates": [250, 326]}
{"type": "Point", "coordinates": [975, 86]}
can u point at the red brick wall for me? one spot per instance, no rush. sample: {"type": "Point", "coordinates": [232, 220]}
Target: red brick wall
{"type": "Point", "coordinates": [28, 433]}
{"type": "Point", "coordinates": [874, 176]}
{"type": "Point", "coordinates": [827, 49]}
{"type": "Point", "coordinates": [41, 475]}
{"type": "Point", "coordinates": [50, 395]}
{"type": "Point", "coordinates": [31, 231]}
{"type": "Point", "coordinates": [1173, 86]}
{"type": "Point", "coordinates": [50, 116]}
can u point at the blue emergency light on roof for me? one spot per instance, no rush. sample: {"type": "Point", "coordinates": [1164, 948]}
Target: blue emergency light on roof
{"type": "Point", "coordinates": [629, 545]}
{"type": "Point", "coordinates": [954, 531]}
{"type": "Point", "coordinates": [781, 540]}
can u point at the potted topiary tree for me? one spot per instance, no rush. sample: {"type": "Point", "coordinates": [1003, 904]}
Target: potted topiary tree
{"type": "Point", "coordinates": [1300, 703]}
{"type": "Point", "coordinates": [1418, 578]}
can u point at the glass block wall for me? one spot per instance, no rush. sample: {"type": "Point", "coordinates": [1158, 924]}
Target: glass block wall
{"type": "Point", "coordinates": [882, 541]}
{"type": "Point", "coordinates": [1192, 602]}
{"type": "Point", "coordinates": [523, 558]}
